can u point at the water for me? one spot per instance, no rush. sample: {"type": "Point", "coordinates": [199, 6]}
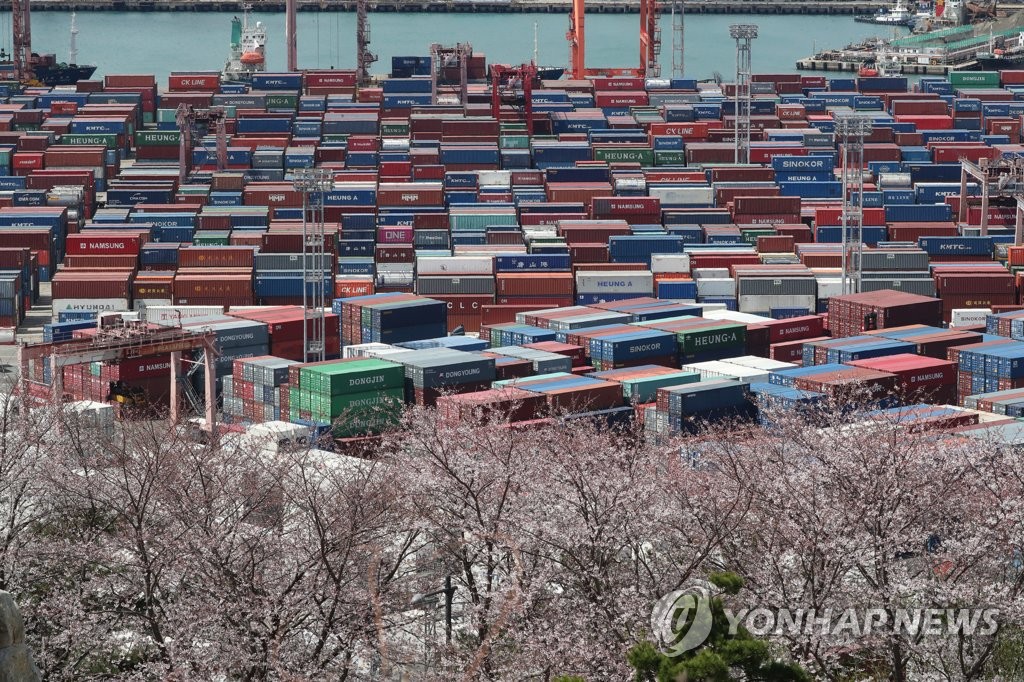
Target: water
{"type": "Point", "coordinates": [161, 42]}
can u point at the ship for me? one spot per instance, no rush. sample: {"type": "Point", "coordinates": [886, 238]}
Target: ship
{"type": "Point", "coordinates": [46, 70]}
{"type": "Point", "coordinates": [247, 50]}
{"type": "Point", "coordinates": [550, 73]}
{"type": "Point", "coordinates": [897, 15]}
{"type": "Point", "coordinates": [1002, 53]}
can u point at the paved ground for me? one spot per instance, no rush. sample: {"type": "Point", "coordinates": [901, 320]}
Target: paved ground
{"type": "Point", "coordinates": [31, 331]}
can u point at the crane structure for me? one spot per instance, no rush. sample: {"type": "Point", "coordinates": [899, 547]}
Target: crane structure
{"type": "Point", "coordinates": [364, 58]}
{"type": "Point", "coordinates": [119, 342]}
{"type": "Point", "coordinates": [678, 36]}
{"type": "Point", "coordinates": [443, 58]}
{"type": "Point", "coordinates": [290, 41]}
{"type": "Point", "coordinates": [21, 22]}
{"type": "Point", "coordinates": [851, 130]}
{"type": "Point", "coordinates": [1003, 178]}
{"type": "Point", "coordinates": [743, 34]}
{"type": "Point", "coordinates": [188, 118]}
{"type": "Point", "coordinates": [314, 183]}
{"type": "Point", "coordinates": [513, 85]}
{"type": "Point", "coordinates": [650, 43]}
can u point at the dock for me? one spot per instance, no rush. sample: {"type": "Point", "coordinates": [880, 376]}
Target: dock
{"type": "Point", "coordinates": [840, 65]}
{"type": "Point", "coordinates": [807, 7]}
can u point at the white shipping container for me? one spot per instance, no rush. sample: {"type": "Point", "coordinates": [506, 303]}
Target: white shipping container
{"type": "Point", "coordinates": [494, 178]}
{"type": "Point", "coordinates": [683, 196]}
{"type": "Point", "coordinates": [764, 304]}
{"type": "Point", "coordinates": [670, 262]}
{"type": "Point", "coordinates": [829, 287]}
{"type": "Point", "coordinates": [391, 268]}
{"type": "Point", "coordinates": [455, 265]}
{"type": "Point", "coordinates": [170, 315]}
{"type": "Point", "coordinates": [735, 316]}
{"type": "Point", "coordinates": [756, 362]}
{"type": "Point", "coordinates": [89, 304]}
{"type": "Point", "coordinates": [640, 282]}
{"type": "Point", "coordinates": [717, 286]}
{"type": "Point", "coordinates": [7, 335]}
{"type": "Point", "coordinates": [357, 350]}
{"type": "Point", "coordinates": [712, 308]}
{"type": "Point", "coordinates": [143, 303]}
{"type": "Point", "coordinates": [394, 144]}
{"type": "Point", "coordinates": [894, 180]}
{"type": "Point", "coordinates": [716, 369]}
{"type": "Point", "coordinates": [969, 317]}
{"type": "Point", "coordinates": [710, 273]}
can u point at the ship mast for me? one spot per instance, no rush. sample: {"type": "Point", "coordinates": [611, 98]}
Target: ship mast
{"type": "Point", "coordinates": [535, 51]}
{"type": "Point", "coordinates": [73, 47]}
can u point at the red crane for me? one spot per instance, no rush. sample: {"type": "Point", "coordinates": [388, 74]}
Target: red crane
{"type": "Point", "coordinates": [21, 22]}
{"type": "Point", "coordinates": [650, 43]}
{"type": "Point", "coordinates": [506, 84]}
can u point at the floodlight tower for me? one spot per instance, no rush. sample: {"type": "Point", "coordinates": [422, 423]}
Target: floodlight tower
{"type": "Point", "coordinates": [851, 131]}
{"type": "Point", "coordinates": [744, 35]}
{"type": "Point", "coordinates": [313, 183]}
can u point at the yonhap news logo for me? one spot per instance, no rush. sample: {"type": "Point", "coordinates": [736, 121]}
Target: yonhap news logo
{"type": "Point", "coordinates": [682, 621]}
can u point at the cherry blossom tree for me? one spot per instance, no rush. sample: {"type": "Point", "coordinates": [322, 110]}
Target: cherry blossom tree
{"type": "Point", "coordinates": [857, 509]}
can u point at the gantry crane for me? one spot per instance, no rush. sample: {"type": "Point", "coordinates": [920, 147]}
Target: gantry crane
{"type": "Point", "coordinates": [513, 85]}
{"type": "Point", "coordinates": [187, 119]}
{"type": "Point", "coordinates": [442, 58]}
{"type": "Point", "coordinates": [122, 341]}
{"type": "Point", "coordinates": [364, 58]}
{"type": "Point", "coordinates": [650, 43]}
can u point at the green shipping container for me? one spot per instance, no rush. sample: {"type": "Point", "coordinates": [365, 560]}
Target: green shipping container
{"type": "Point", "coordinates": [750, 236]}
{"type": "Point", "coordinates": [369, 403]}
{"type": "Point", "coordinates": [108, 141]}
{"type": "Point", "coordinates": [514, 141]}
{"type": "Point", "coordinates": [280, 101]}
{"type": "Point", "coordinates": [212, 238]}
{"type": "Point", "coordinates": [670, 157]}
{"type": "Point", "coordinates": [352, 377]}
{"type": "Point", "coordinates": [153, 138]}
{"type": "Point", "coordinates": [974, 79]}
{"type": "Point", "coordinates": [644, 390]}
{"type": "Point", "coordinates": [701, 339]}
{"type": "Point", "coordinates": [645, 157]}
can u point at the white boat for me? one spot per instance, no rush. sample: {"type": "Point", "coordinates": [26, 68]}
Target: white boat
{"type": "Point", "coordinates": [898, 15]}
{"type": "Point", "coordinates": [248, 43]}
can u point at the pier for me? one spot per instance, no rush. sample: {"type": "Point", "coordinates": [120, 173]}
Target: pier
{"type": "Point", "coordinates": [466, 6]}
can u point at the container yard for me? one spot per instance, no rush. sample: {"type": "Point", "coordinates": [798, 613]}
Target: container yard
{"type": "Point", "coordinates": [599, 252]}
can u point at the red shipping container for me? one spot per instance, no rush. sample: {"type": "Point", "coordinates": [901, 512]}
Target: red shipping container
{"type": "Point", "coordinates": [102, 243]}
{"type": "Point", "coordinates": [194, 82]}
{"type": "Point", "coordinates": [916, 373]}
{"type": "Point", "coordinates": [216, 257]}
{"type": "Point", "coordinates": [688, 131]}
{"type": "Point", "coordinates": [766, 205]}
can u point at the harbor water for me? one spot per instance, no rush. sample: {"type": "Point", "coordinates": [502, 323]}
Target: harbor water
{"type": "Point", "coordinates": [158, 42]}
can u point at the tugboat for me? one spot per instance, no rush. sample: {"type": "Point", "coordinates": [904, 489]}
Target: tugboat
{"type": "Point", "coordinates": [246, 56]}
{"type": "Point", "coordinates": [884, 65]}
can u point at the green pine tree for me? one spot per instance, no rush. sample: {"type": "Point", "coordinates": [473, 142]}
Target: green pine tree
{"type": "Point", "coordinates": [721, 658]}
